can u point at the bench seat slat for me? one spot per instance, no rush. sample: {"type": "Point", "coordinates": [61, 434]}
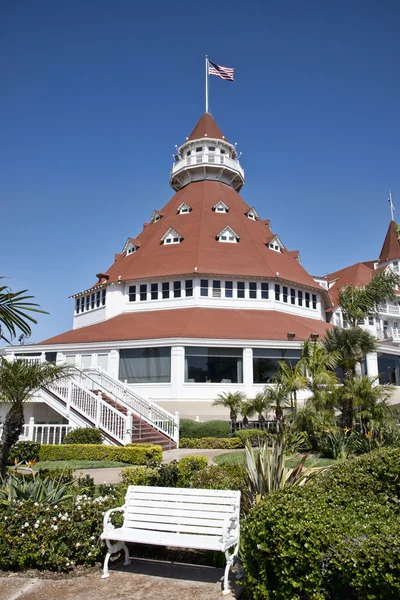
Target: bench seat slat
{"type": "Point", "coordinates": [181, 520]}
{"type": "Point", "coordinates": [163, 538]}
{"type": "Point", "coordinates": [184, 491]}
{"type": "Point", "coordinates": [155, 526]}
{"type": "Point", "coordinates": [181, 506]}
{"type": "Point", "coordinates": [167, 497]}
{"type": "Point", "coordinates": [175, 512]}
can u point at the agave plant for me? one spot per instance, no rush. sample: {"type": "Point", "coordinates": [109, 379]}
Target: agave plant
{"type": "Point", "coordinates": [337, 444]}
{"type": "Point", "coordinates": [266, 471]}
{"type": "Point", "coordinates": [41, 490]}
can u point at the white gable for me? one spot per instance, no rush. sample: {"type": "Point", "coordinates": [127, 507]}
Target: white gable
{"type": "Point", "coordinates": [276, 244]}
{"type": "Point", "coordinates": [221, 207]}
{"type": "Point", "coordinates": [130, 247]}
{"type": "Point", "coordinates": [228, 235]}
{"type": "Point", "coordinates": [252, 214]}
{"type": "Point", "coordinates": [156, 216]}
{"type": "Point", "coordinates": [171, 236]}
{"type": "Point", "coordinates": [183, 209]}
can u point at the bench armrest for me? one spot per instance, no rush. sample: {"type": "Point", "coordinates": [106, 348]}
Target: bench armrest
{"type": "Point", "coordinates": [230, 523]}
{"type": "Point", "coordinates": [106, 523]}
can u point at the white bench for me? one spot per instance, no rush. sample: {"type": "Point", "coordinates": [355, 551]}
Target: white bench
{"type": "Point", "coordinates": [177, 517]}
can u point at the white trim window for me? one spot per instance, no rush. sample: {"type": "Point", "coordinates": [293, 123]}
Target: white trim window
{"type": "Point", "coordinates": [171, 236]}
{"type": "Point", "coordinates": [221, 207]}
{"type": "Point", "coordinates": [156, 216]}
{"type": "Point", "coordinates": [228, 235]}
{"type": "Point", "coordinates": [275, 244]}
{"type": "Point", "coordinates": [252, 214]}
{"type": "Point", "coordinates": [183, 209]}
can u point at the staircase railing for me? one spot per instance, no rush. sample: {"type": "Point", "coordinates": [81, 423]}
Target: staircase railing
{"type": "Point", "coordinates": [150, 412]}
{"type": "Point", "coordinates": [92, 406]}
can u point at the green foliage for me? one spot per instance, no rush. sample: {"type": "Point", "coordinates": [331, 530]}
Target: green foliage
{"type": "Point", "coordinates": [337, 444]}
{"type": "Point", "coordinates": [313, 422]}
{"type": "Point", "coordinates": [24, 451]}
{"type": "Point", "coordinates": [232, 401]}
{"type": "Point", "coordinates": [56, 538]}
{"type": "Point", "coordinates": [14, 307]}
{"type": "Point", "coordinates": [168, 475]}
{"type": "Point", "coordinates": [44, 490]}
{"type": "Point", "coordinates": [229, 477]}
{"type": "Point", "coordinates": [139, 476]}
{"type": "Point", "coordinates": [64, 475]}
{"type": "Point", "coordinates": [336, 537]}
{"type": "Point", "coordinates": [133, 454]}
{"type": "Point", "coordinates": [255, 437]}
{"type": "Point", "coordinates": [211, 443]}
{"type": "Point", "coordinates": [195, 429]}
{"type": "Point", "coordinates": [187, 467]}
{"type": "Point", "coordinates": [84, 435]}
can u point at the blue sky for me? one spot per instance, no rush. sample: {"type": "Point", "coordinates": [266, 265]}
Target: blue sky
{"type": "Point", "coordinates": [95, 94]}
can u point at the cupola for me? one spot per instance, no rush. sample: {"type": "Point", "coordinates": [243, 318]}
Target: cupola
{"type": "Point", "coordinates": [207, 154]}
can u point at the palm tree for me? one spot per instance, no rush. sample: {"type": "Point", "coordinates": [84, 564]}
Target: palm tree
{"type": "Point", "coordinates": [246, 410]}
{"type": "Point", "coordinates": [370, 400]}
{"type": "Point", "coordinates": [18, 382]}
{"type": "Point", "coordinates": [352, 345]}
{"type": "Point", "coordinates": [319, 364]}
{"type": "Point", "coordinates": [13, 312]}
{"type": "Point", "coordinates": [359, 302]}
{"type": "Point", "coordinates": [293, 379]}
{"type": "Point", "coordinates": [278, 398]}
{"type": "Point", "coordinates": [259, 404]}
{"type": "Point", "coordinates": [233, 401]}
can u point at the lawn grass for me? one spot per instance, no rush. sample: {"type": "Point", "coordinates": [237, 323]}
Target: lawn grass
{"type": "Point", "coordinates": [238, 458]}
{"type": "Point", "coordinates": [78, 464]}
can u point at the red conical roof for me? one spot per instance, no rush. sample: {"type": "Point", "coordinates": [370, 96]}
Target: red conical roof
{"type": "Point", "coordinates": [206, 127]}
{"type": "Point", "coordinates": [200, 252]}
{"type": "Point", "coordinates": [391, 247]}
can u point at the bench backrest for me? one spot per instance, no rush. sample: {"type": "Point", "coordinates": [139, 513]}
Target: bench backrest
{"type": "Point", "coordinates": [182, 510]}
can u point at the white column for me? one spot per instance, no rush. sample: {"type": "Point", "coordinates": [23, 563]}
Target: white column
{"type": "Point", "coordinates": [372, 365]}
{"type": "Point", "coordinates": [177, 370]}
{"type": "Point", "coordinates": [248, 370]}
{"type": "Point", "coordinates": [60, 358]}
{"type": "Point", "coordinates": [31, 429]}
{"type": "Point", "coordinates": [128, 429]}
{"type": "Point", "coordinates": [113, 364]}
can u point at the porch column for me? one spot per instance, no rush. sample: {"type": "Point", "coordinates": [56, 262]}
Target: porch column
{"type": "Point", "coordinates": [372, 365]}
{"type": "Point", "coordinates": [113, 364]}
{"type": "Point", "coordinates": [177, 370]}
{"type": "Point", "coordinates": [248, 370]}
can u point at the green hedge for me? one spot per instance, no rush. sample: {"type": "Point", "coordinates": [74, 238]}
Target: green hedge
{"type": "Point", "coordinates": [211, 443]}
{"type": "Point", "coordinates": [135, 454]}
{"type": "Point", "coordinates": [337, 538]}
{"type": "Point", "coordinates": [196, 429]}
{"type": "Point", "coordinates": [255, 436]}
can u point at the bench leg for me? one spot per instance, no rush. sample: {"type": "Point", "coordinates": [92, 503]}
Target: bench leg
{"type": "Point", "coordinates": [112, 549]}
{"type": "Point", "coordinates": [229, 563]}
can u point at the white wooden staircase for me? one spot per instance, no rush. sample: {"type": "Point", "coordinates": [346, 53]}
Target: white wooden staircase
{"type": "Point", "coordinates": [92, 398]}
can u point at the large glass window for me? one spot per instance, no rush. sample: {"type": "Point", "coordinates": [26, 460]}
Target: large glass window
{"type": "Point", "coordinates": [389, 369]}
{"type": "Point", "coordinates": [213, 365]}
{"type": "Point", "coordinates": [314, 301]}
{"type": "Point", "coordinates": [266, 362]}
{"type": "Point", "coordinates": [228, 289]}
{"type": "Point", "coordinates": [145, 365]}
{"type": "Point", "coordinates": [292, 296]}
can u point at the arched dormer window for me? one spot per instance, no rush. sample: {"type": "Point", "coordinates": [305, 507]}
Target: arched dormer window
{"type": "Point", "coordinates": [183, 209]}
{"type": "Point", "coordinates": [228, 235]}
{"type": "Point", "coordinates": [252, 214]}
{"type": "Point", "coordinates": [221, 207]}
{"type": "Point", "coordinates": [131, 246]}
{"type": "Point", "coordinates": [156, 216]}
{"type": "Point", "coordinates": [171, 237]}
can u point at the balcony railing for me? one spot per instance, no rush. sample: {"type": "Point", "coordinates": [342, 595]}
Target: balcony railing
{"type": "Point", "coordinates": [210, 159]}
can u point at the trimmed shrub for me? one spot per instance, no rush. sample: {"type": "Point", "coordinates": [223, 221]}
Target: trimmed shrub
{"type": "Point", "coordinates": [135, 454]}
{"type": "Point", "coordinates": [139, 476]}
{"type": "Point", "coordinates": [84, 435]}
{"type": "Point", "coordinates": [256, 437]}
{"type": "Point", "coordinates": [228, 477]}
{"type": "Point", "coordinates": [211, 443]}
{"type": "Point", "coordinates": [187, 467]}
{"type": "Point", "coordinates": [338, 537]}
{"type": "Point", "coordinates": [196, 429]}
{"type": "Point", "coordinates": [23, 452]}
{"type": "Point", "coordinates": [55, 538]}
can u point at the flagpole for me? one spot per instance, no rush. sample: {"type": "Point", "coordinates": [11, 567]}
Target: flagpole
{"type": "Point", "coordinates": [206, 83]}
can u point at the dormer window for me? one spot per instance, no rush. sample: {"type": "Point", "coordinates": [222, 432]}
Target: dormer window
{"type": "Point", "coordinates": [183, 209]}
{"type": "Point", "coordinates": [228, 235]}
{"type": "Point", "coordinates": [275, 244]}
{"type": "Point", "coordinates": [199, 149]}
{"type": "Point", "coordinates": [130, 246]}
{"type": "Point", "coordinates": [252, 214]}
{"type": "Point", "coordinates": [171, 237]}
{"type": "Point", "coordinates": [221, 207]}
{"type": "Point", "coordinates": [156, 216]}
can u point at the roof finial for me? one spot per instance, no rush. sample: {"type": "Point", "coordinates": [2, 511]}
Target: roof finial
{"type": "Point", "coordinates": [392, 208]}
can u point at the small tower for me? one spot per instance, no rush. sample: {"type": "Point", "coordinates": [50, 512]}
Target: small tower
{"type": "Point", "coordinates": [207, 154]}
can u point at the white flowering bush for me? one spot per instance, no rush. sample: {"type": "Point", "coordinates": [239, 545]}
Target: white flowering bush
{"type": "Point", "coordinates": [52, 537]}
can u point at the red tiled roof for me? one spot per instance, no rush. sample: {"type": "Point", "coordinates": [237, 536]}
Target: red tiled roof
{"type": "Point", "coordinates": [205, 323]}
{"type": "Point", "coordinates": [200, 250]}
{"type": "Point", "coordinates": [391, 247]}
{"type": "Point", "coordinates": [356, 275]}
{"type": "Point", "coordinates": [206, 127]}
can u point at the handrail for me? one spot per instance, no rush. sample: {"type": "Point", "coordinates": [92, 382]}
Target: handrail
{"type": "Point", "coordinates": [151, 412]}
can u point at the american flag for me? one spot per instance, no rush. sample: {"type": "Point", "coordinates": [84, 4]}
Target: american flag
{"type": "Point", "coordinates": [219, 71]}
